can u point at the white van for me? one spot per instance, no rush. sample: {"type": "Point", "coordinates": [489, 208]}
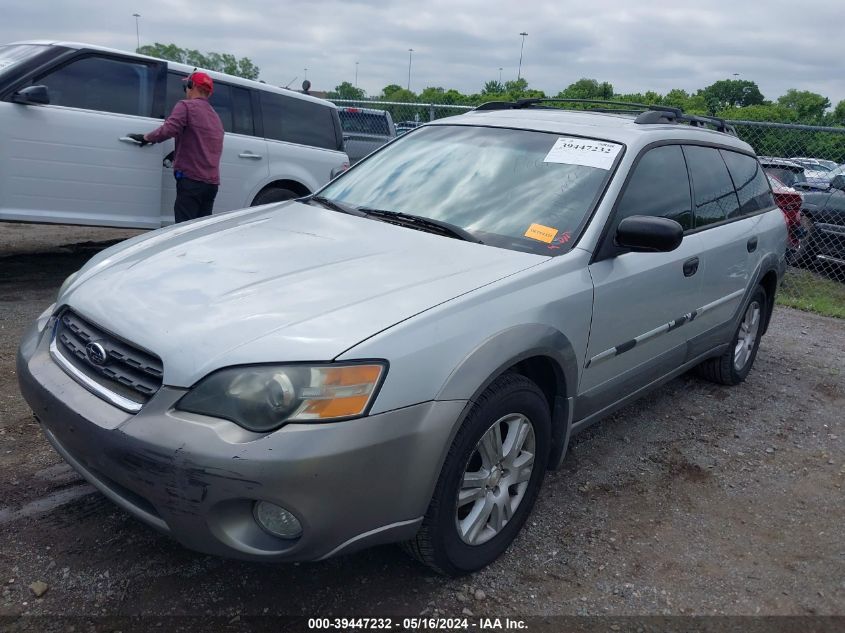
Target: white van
{"type": "Point", "coordinates": [66, 110]}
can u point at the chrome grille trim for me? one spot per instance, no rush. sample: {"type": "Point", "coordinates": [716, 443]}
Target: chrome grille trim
{"type": "Point", "coordinates": [91, 385]}
{"type": "Point", "coordinates": [123, 375]}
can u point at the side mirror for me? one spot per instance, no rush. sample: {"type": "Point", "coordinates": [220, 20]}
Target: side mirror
{"type": "Point", "coordinates": [838, 182]}
{"type": "Point", "coordinates": [32, 95]}
{"type": "Point", "coordinates": [649, 234]}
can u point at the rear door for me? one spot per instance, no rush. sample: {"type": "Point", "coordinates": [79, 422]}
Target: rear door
{"type": "Point", "coordinates": [641, 301]}
{"type": "Point", "coordinates": [730, 228]}
{"type": "Point", "coordinates": [71, 161]}
{"type": "Point", "coordinates": [244, 164]}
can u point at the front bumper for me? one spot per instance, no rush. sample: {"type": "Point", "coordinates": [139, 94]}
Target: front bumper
{"type": "Point", "coordinates": [351, 484]}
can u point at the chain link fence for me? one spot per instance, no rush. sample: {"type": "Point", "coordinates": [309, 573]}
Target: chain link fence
{"type": "Point", "coordinates": [802, 164]}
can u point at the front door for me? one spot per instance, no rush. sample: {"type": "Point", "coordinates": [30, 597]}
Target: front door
{"type": "Point", "coordinates": [71, 161]}
{"type": "Point", "coordinates": [642, 301]}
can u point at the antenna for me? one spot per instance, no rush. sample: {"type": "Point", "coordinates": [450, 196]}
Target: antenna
{"type": "Point", "coordinates": [291, 81]}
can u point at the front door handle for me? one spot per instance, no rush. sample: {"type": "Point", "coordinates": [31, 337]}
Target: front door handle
{"type": "Point", "coordinates": [751, 245]}
{"type": "Point", "coordinates": [250, 155]}
{"type": "Point", "coordinates": [690, 266]}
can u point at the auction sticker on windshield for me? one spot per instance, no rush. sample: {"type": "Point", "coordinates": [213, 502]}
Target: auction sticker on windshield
{"type": "Point", "coordinates": [583, 151]}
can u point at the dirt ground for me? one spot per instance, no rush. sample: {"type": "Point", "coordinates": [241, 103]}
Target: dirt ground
{"type": "Point", "coordinates": [698, 499]}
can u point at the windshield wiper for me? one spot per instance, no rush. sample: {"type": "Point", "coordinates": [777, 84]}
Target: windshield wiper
{"type": "Point", "coordinates": [334, 205]}
{"type": "Point", "coordinates": [426, 224]}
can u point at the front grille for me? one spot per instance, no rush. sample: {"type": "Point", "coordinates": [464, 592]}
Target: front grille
{"type": "Point", "coordinates": [125, 370]}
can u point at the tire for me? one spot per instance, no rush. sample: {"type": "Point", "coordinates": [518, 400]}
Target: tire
{"type": "Point", "coordinates": [732, 367]}
{"type": "Point", "coordinates": [805, 253]}
{"type": "Point", "coordinates": [449, 541]}
{"type": "Point", "coordinates": [274, 194]}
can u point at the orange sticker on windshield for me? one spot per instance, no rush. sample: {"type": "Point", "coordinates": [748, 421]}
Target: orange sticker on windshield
{"type": "Point", "coordinates": [542, 233]}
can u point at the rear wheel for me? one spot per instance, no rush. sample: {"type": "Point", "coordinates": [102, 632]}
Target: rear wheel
{"type": "Point", "coordinates": [489, 481]}
{"type": "Point", "coordinates": [274, 194]}
{"type": "Point", "coordinates": [732, 367]}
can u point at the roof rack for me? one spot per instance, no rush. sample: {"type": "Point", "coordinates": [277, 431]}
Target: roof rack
{"type": "Point", "coordinates": [648, 114]}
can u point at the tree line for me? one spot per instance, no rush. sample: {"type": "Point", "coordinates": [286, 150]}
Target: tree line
{"type": "Point", "coordinates": [737, 99]}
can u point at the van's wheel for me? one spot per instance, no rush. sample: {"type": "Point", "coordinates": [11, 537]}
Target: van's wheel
{"type": "Point", "coordinates": [732, 367]}
{"type": "Point", "coordinates": [490, 479]}
{"type": "Point", "coordinates": [274, 194]}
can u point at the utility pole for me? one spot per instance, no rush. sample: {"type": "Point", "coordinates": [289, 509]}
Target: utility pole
{"type": "Point", "coordinates": [521, 48]}
{"type": "Point", "coordinates": [410, 54]}
{"type": "Point", "coordinates": [306, 75]}
{"type": "Point", "coordinates": [500, 75]}
{"type": "Point", "coordinates": [356, 74]}
{"type": "Point", "coordinates": [137, 30]}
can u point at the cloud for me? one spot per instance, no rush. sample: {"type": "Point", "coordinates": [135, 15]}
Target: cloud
{"type": "Point", "coordinates": [641, 46]}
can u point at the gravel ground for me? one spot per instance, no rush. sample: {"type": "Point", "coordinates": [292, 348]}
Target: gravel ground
{"type": "Point", "coordinates": [698, 499]}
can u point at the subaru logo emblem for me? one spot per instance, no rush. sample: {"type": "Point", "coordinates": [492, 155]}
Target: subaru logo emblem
{"type": "Point", "coordinates": [96, 353]}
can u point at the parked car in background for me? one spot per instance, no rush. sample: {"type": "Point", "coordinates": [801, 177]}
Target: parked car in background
{"type": "Point", "coordinates": [823, 221]}
{"type": "Point", "coordinates": [365, 130]}
{"type": "Point", "coordinates": [406, 126]}
{"type": "Point", "coordinates": [815, 164]}
{"type": "Point", "coordinates": [790, 202]}
{"type": "Point", "coordinates": [786, 171]}
{"type": "Point", "coordinates": [66, 110]}
{"type": "Point", "coordinates": [401, 356]}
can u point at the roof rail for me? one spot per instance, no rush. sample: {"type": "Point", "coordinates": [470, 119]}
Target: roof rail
{"type": "Point", "coordinates": [649, 114]}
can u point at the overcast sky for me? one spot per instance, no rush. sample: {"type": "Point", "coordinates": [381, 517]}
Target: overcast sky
{"type": "Point", "coordinates": [635, 45]}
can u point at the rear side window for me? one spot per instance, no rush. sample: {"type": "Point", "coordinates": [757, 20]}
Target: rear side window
{"type": "Point", "coordinates": [232, 104]}
{"type": "Point", "coordinates": [713, 190]}
{"type": "Point", "coordinates": [364, 122]}
{"type": "Point", "coordinates": [298, 121]}
{"type": "Point", "coordinates": [750, 182]}
{"type": "Point", "coordinates": [103, 84]}
{"type": "Point", "coordinates": [659, 186]}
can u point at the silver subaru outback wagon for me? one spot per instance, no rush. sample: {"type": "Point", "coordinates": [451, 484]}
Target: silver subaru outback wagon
{"type": "Point", "coordinates": [401, 356]}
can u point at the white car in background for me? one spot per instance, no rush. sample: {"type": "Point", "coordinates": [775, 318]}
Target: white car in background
{"type": "Point", "coordinates": [66, 110]}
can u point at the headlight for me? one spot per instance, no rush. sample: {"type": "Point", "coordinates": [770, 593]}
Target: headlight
{"type": "Point", "coordinates": [262, 398]}
{"type": "Point", "coordinates": [67, 282]}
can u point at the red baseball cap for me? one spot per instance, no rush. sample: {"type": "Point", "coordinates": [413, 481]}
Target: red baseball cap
{"type": "Point", "coordinates": [201, 80]}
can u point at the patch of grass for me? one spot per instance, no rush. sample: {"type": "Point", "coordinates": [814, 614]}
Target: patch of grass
{"type": "Point", "coordinates": [812, 292]}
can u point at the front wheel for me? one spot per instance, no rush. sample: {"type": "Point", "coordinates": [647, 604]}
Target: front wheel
{"type": "Point", "coordinates": [489, 481]}
{"type": "Point", "coordinates": [273, 194]}
{"type": "Point", "coordinates": [732, 367]}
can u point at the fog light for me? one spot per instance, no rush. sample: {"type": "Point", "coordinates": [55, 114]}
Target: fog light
{"type": "Point", "coordinates": [276, 520]}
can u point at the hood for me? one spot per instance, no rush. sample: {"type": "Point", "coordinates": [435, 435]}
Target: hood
{"type": "Point", "coordinates": [288, 282]}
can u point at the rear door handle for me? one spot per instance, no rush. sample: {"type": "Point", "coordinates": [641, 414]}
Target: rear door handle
{"type": "Point", "coordinates": [250, 155]}
{"type": "Point", "coordinates": [751, 245]}
{"type": "Point", "coordinates": [690, 266]}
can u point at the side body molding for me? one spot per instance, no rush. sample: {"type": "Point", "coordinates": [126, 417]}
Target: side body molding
{"type": "Point", "coordinates": [507, 348]}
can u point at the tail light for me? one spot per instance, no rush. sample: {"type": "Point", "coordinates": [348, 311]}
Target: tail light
{"type": "Point", "coordinates": [790, 203]}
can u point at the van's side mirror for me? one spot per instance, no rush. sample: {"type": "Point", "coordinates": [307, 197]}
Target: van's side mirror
{"type": "Point", "coordinates": [647, 233]}
{"type": "Point", "coordinates": [32, 95]}
{"type": "Point", "coordinates": [838, 182]}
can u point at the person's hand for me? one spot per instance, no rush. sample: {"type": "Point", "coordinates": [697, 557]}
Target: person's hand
{"type": "Point", "coordinates": [139, 138]}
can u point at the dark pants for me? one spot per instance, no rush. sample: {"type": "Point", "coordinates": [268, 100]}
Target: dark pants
{"type": "Point", "coordinates": [194, 199]}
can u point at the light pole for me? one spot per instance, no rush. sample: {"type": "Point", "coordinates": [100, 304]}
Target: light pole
{"type": "Point", "coordinates": [500, 75]}
{"type": "Point", "coordinates": [137, 30]}
{"type": "Point", "coordinates": [521, 48]}
{"type": "Point", "coordinates": [356, 74]}
{"type": "Point", "coordinates": [306, 75]}
{"type": "Point", "coordinates": [410, 54]}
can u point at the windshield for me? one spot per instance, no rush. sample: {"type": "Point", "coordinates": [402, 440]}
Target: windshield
{"type": "Point", "coordinates": [15, 53]}
{"type": "Point", "coordinates": [527, 191]}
